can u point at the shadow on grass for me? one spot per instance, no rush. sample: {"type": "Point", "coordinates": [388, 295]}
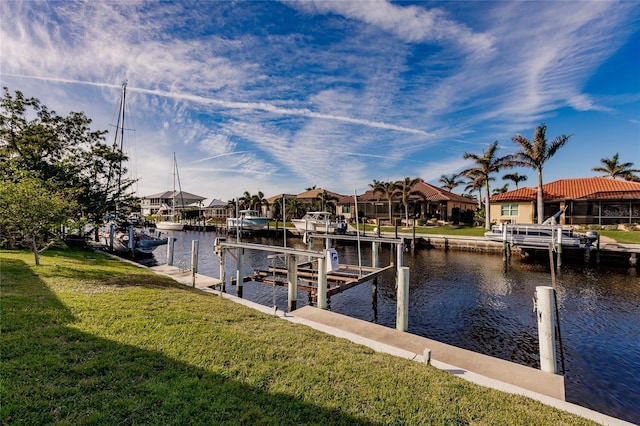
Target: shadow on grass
{"type": "Point", "coordinates": [51, 372]}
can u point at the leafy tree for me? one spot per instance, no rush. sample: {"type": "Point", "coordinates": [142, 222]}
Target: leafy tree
{"type": "Point", "coordinates": [30, 211]}
{"type": "Point", "coordinates": [613, 168]}
{"type": "Point", "coordinates": [515, 178]}
{"type": "Point", "coordinates": [534, 154]}
{"type": "Point", "coordinates": [404, 188]}
{"type": "Point", "coordinates": [449, 182]}
{"type": "Point", "coordinates": [487, 164]}
{"type": "Point", "coordinates": [61, 150]}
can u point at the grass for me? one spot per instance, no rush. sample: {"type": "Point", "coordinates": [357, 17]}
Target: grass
{"type": "Point", "coordinates": [89, 339]}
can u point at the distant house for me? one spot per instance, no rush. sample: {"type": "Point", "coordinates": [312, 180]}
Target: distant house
{"type": "Point", "coordinates": [162, 202]}
{"type": "Point", "coordinates": [426, 201]}
{"type": "Point", "coordinates": [593, 200]}
{"type": "Point", "coordinates": [216, 209]}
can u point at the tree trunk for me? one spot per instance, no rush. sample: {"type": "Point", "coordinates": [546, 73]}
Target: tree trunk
{"type": "Point", "coordinates": [34, 247]}
{"type": "Point", "coordinates": [487, 215]}
{"type": "Point", "coordinates": [540, 198]}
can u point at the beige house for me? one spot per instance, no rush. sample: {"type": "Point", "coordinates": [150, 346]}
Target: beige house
{"type": "Point", "coordinates": [587, 201]}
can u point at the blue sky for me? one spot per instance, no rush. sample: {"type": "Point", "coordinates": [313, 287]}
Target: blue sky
{"type": "Point", "coordinates": [280, 96]}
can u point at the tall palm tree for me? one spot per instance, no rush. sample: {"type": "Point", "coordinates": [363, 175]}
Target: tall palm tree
{"type": "Point", "coordinates": [515, 178]}
{"type": "Point", "coordinates": [487, 164]}
{"type": "Point", "coordinates": [475, 183]}
{"type": "Point", "coordinates": [294, 208]}
{"type": "Point", "coordinates": [386, 188]}
{"type": "Point", "coordinates": [449, 182]}
{"type": "Point", "coordinates": [613, 168]}
{"type": "Point", "coordinates": [326, 199]}
{"type": "Point", "coordinates": [404, 186]}
{"type": "Point", "coordinates": [535, 154]}
{"type": "Point", "coordinates": [244, 202]}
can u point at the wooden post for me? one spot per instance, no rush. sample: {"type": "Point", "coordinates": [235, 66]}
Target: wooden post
{"type": "Point", "coordinates": [402, 311]}
{"type": "Point", "coordinates": [322, 283]}
{"type": "Point", "coordinates": [194, 261]}
{"type": "Point", "coordinates": [223, 272]}
{"type": "Point", "coordinates": [132, 242]}
{"type": "Point", "coordinates": [375, 250]}
{"type": "Point", "coordinates": [239, 268]}
{"type": "Point", "coordinates": [545, 314]}
{"type": "Point", "coordinates": [292, 275]}
{"type": "Point", "coordinates": [112, 231]}
{"type": "Point", "coordinates": [399, 254]}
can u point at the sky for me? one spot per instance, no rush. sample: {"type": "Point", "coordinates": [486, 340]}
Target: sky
{"type": "Point", "coordinates": [277, 97]}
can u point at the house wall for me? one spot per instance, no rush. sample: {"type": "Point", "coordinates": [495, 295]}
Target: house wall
{"type": "Point", "coordinates": [525, 212]}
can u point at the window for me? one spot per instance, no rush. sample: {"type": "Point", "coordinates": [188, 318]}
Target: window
{"type": "Point", "coordinates": [509, 210]}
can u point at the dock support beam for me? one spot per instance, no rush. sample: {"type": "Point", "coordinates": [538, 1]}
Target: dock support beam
{"type": "Point", "coordinates": [223, 273]}
{"type": "Point", "coordinates": [545, 313]}
{"type": "Point", "coordinates": [402, 311]}
{"type": "Point", "coordinates": [239, 268]}
{"type": "Point", "coordinates": [292, 274]}
{"type": "Point", "coordinates": [559, 248]}
{"type": "Point", "coordinates": [399, 254]}
{"type": "Point", "coordinates": [322, 283]}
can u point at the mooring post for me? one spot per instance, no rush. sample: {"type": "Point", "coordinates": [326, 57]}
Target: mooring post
{"type": "Point", "coordinates": [112, 231]}
{"type": "Point", "coordinates": [194, 261]}
{"type": "Point", "coordinates": [402, 311]}
{"type": "Point", "coordinates": [505, 244]}
{"type": "Point", "coordinates": [223, 273]}
{"type": "Point", "coordinates": [598, 250]}
{"type": "Point", "coordinates": [322, 283]}
{"type": "Point", "coordinates": [170, 246]}
{"type": "Point", "coordinates": [292, 276]}
{"type": "Point", "coordinates": [545, 313]}
{"type": "Point", "coordinates": [131, 244]}
{"type": "Point", "coordinates": [375, 256]}
{"type": "Point", "coordinates": [559, 246]}
{"type": "Point", "coordinates": [239, 268]}
{"type": "Point", "coordinates": [399, 254]}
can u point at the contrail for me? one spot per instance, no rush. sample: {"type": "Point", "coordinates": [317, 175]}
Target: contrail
{"type": "Point", "coordinates": [256, 106]}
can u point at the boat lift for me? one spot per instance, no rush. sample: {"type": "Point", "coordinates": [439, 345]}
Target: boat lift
{"type": "Point", "coordinates": [315, 271]}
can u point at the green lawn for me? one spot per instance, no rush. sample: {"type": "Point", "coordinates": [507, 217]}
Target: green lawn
{"type": "Point", "coordinates": [89, 339]}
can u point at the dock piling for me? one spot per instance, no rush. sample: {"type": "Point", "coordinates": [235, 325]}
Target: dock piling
{"type": "Point", "coordinates": [292, 275]}
{"type": "Point", "coordinates": [545, 313]}
{"type": "Point", "coordinates": [239, 268]}
{"type": "Point", "coordinates": [402, 311]}
{"type": "Point", "coordinates": [194, 261]}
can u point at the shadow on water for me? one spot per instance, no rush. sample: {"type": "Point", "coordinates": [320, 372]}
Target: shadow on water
{"type": "Point", "coordinates": [53, 372]}
{"type": "Point", "coordinates": [471, 300]}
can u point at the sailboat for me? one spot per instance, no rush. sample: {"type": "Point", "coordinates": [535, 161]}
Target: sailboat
{"type": "Point", "coordinates": [171, 222]}
{"type": "Point", "coordinates": [118, 234]}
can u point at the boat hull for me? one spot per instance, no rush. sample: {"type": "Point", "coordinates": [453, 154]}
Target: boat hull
{"type": "Point", "coordinates": [533, 235]}
{"type": "Point", "coordinates": [169, 226]}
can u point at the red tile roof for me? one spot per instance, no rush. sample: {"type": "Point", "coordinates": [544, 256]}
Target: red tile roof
{"type": "Point", "coordinates": [574, 189]}
{"type": "Point", "coordinates": [427, 192]}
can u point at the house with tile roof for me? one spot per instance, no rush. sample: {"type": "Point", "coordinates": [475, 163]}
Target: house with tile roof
{"type": "Point", "coordinates": [426, 201]}
{"type": "Point", "coordinates": [587, 201]}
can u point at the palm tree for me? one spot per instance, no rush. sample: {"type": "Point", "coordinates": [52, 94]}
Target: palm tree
{"type": "Point", "coordinates": [244, 202]}
{"type": "Point", "coordinates": [501, 190]}
{"type": "Point", "coordinates": [294, 208]}
{"type": "Point", "coordinates": [404, 186]}
{"type": "Point", "coordinates": [326, 199]}
{"type": "Point", "coordinates": [449, 182]}
{"type": "Point", "coordinates": [614, 169]}
{"type": "Point", "coordinates": [515, 178]}
{"type": "Point", "coordinates": [535, 154]}
{"type": "Point", "coordinates": [475, 183]}
{"type": "Point", "coordinates": [486, 164]}
{"type": "Point", "coordinates": [386, 188]}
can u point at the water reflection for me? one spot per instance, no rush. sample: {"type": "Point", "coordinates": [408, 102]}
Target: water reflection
{"type": "Point", "coordinates": [472, 301]}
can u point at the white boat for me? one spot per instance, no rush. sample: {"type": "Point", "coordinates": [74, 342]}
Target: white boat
{"type": "Point", "coordinates": [171, 222]}
{"type": "Point", "coordinates": [533, 235]}
{"type": "Point", "coordinates": [537, 235]}
{"type": "Point", "coordinates": [248, 220]}
{"type": "Point", "coordinates": [319, 222]}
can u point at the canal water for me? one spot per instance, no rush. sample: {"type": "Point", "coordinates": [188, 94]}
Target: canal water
{"type": "Point", "coordinates": [473, 301]}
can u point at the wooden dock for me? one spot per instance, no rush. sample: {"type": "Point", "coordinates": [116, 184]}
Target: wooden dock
{"type": "Point", "coordinates": [346, 277]}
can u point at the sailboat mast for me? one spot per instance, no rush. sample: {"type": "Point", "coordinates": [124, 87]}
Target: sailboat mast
{"type": "Point", "coordinates": [120, 128]}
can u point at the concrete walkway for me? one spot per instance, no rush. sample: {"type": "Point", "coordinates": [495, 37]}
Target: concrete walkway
{"type": "Point", "coordinates": [477, 368]}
